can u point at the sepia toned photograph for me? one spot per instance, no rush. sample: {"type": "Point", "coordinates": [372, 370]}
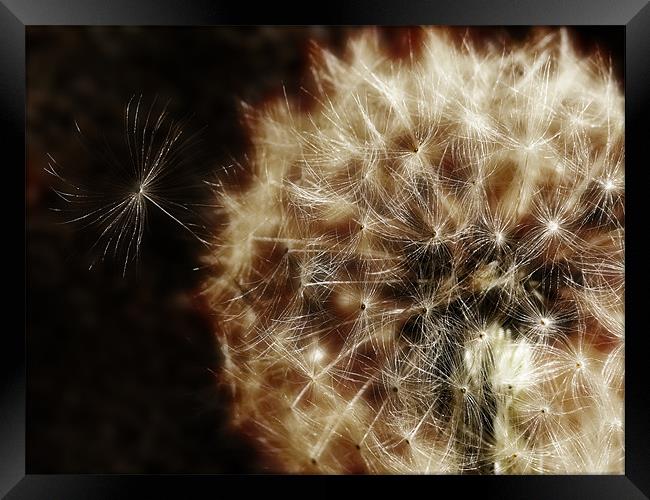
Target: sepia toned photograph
{"type": "Point", "coordinates": [326, 250]}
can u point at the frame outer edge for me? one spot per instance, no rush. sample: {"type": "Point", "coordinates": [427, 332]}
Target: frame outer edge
{"type": "Point", "coordinates": [637, 109]}
{"type": "Point", "coordinates": [12, 48]}
{"type": "Point", "coordinates": [12, 369]}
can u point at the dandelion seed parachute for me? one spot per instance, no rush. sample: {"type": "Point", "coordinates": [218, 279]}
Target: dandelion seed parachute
{"type": "Point", "coordinates": [425, 274]}
{"type": "Point", "coordinates": [144, 176]}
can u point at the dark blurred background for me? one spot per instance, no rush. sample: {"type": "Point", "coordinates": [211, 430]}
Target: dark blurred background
{"type": "Point", "coordinates": [121, 370]}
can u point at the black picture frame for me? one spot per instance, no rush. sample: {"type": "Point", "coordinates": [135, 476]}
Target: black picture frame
{"type": "Point", "coordinates": [632, 16]}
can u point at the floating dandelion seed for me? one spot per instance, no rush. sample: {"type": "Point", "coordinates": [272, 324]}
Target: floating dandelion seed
{"type": "Point", "coordinates": [146, 177]}
{"type": "Point", "coordinates": [426, 273]}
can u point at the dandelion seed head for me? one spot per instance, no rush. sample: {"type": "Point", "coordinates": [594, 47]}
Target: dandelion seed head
{"type": "Point", "coordinates": [426, 275]}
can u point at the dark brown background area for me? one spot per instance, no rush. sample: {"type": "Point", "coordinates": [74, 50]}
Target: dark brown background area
{"type": "Point", "coordinates": [121, 371]}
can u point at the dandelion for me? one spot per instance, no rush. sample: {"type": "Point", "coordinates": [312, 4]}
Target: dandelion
{"type": "Point", "coordinates": [426, 273]}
